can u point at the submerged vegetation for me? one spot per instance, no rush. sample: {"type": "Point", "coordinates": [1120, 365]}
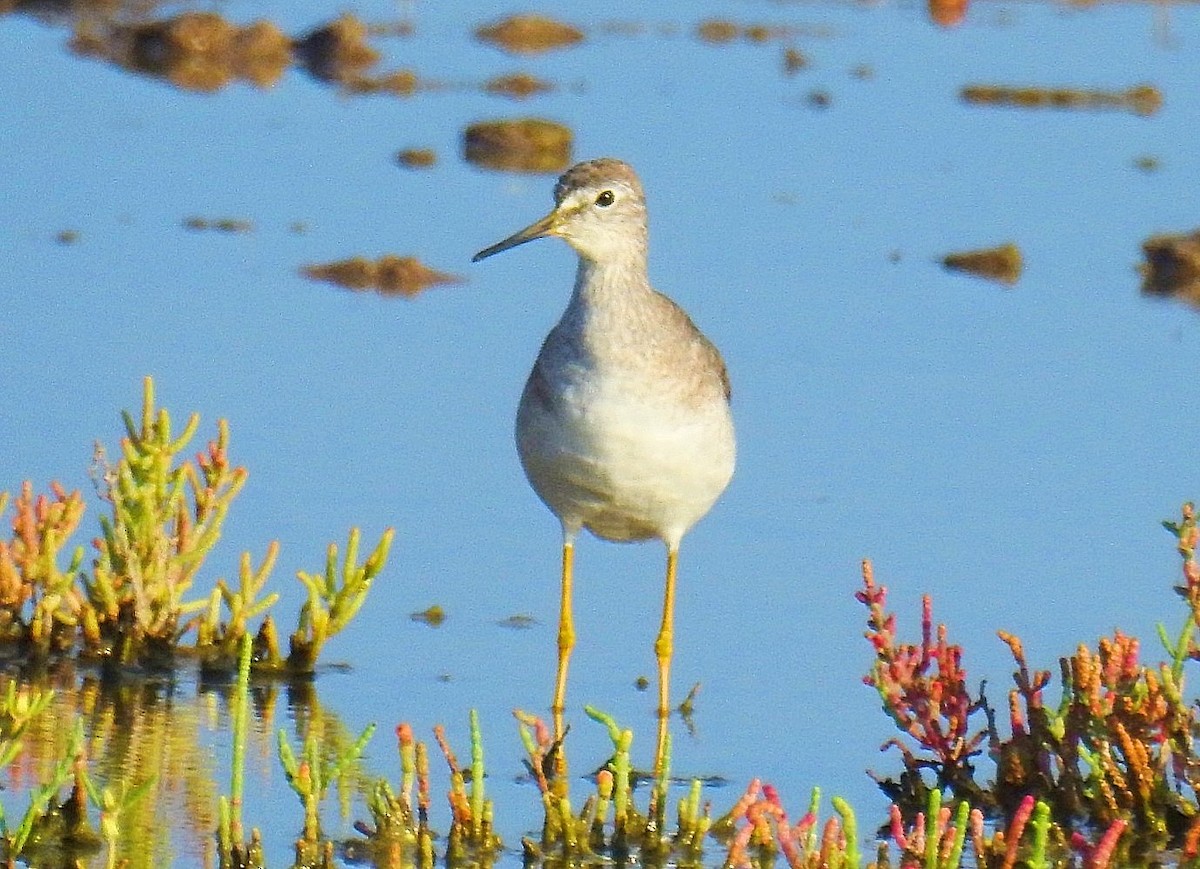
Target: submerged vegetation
{"type": "Point", "coordinates": [1104, 775]}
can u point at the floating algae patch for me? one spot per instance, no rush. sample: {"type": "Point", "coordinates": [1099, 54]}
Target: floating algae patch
{"type": "Point", "coordinates": [518, 145]}
{"type": "Point", "coordinates": [417, 158]}
{"type": "Point", "coordinates": [197, 51]}
{"type": "Point", "coordinates": [518, 622]}
{"type": "Point", "coordinates": [388, 275]}
{"type": "Point", "coordinates": [1141, 100]}
{"type": "Point", "coordinates": [393, 29]}
{"type": "Point", "coordinates": [193, 50]}
{"type": "Point", "coordinates": [401, 83]}
{"type": "Point", "coordinates": [518, 86]}
{"type": "Point", "coordinates": [764, 32]}
{"type": "Point", "coordinates": [337, 51]}
{"type": "Point", "coordinates": [719, 31]}
{"type": "Point", "coordinates": [1172, 266]}
{"type": "Point", "coordinates": [529, 34]}
{"type": "Point", "coordinates": [261, 53]}
{"type": "Point", "coordinates": [1001, 264]}
{"type": "Point", "coordinates": [794, 60]}
{"type": "Point", "coordinates": [819, 98]}
{"type": "Point", "coordinates": [434, 616]}
{"type": "Point", "coordinates": [231, 225]}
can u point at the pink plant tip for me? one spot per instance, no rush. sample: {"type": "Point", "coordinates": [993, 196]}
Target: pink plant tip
{"type": "Point", "coordinates": [804, 825]}
{"type": "Point", "coordinates": [898, 835]}
{"type": "Point", "coordinates": [1102, 854]}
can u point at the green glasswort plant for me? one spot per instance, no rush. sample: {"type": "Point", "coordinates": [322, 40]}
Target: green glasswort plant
{"type": "Point", "coordinates": [41, 797]}
{"type": "Point", "coordinates": [113, 805]}
{"type": "Point", "coordinates": [135, 605]}
{"type": "Point", "coordinates": [31, 580]}
{"type": "Point", "coordinates": [332, 604]}
{"type": "Point", "coordinates": [165, 519]}
{"type": "Point", "coordinates": [233, 850]}
{"type": "Point", "coordinates": [310, 775]}
{"type": "Point", "coordinates": [400, 834]}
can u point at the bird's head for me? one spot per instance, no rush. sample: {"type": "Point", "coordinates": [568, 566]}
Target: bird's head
{"type": "Point", "coordinates": [599, 209]}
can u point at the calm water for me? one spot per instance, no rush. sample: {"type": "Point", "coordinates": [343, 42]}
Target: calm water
{"type": "Point", "coordinates": [1009, 450]}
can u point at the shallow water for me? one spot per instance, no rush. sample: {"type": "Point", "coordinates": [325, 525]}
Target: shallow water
{"type": "Point", "coordinates": [1009, 450]}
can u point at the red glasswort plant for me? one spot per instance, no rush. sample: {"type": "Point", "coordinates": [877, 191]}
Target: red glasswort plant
{"type": "Point", "coordinates": [923, 688]}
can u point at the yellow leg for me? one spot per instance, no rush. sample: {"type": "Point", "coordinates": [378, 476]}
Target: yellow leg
{"type": "Point", "coordinates": [664, 646]}
{"type": "Point", "coordinates": [566, 638]}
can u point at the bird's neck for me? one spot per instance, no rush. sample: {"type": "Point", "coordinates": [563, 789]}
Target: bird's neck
{"type": "Point", "coordinates": [608, 307]}
{"type": "Point", "coordinates": [613, 283]}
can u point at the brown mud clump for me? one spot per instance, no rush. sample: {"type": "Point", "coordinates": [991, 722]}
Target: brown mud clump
{"type": "Point", "coordinates": [417, 158]}
{"type": "Point", "coordinates": [193, 51]}
{"type": "Point", "coordinates": [794, 60]}
{"type": "Point", "coordinates": [1141, 100]}
{"type": "Point", "coordinates": [520, 145]}
{"type": "Point", "coordinates": [518, 622]}
{"type": "Point", "coordinates": [261, 53]}
{"type": "Point", "coordinates": [230, 225]}
{"type": "Point", "coordinates": [1172, 266]}
{"type": "Point", "coordinates": [388, 276]}
{"type": "Point", "coordinates": [718, 31]}
{"type": "Point", "coordinates": [337, 51]}
{"type": "Point", "coordinates": [529, 34]}
{"type": "Point", "coordinates": [196, 51]}
{"type": "Point", "coordinates": [1001, 264]}
{"type": "Point", "coordinates": [819, 98]}
{"type": "Point", "coordinates": [400, 83]}
{"type": "Point", "coordinates": [434, 616]}
{"type": "Point", "coordinates": [518, 86]}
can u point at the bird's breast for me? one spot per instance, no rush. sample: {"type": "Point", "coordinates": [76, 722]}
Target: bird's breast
{"type": "Point", "coordinates": [627, 462]}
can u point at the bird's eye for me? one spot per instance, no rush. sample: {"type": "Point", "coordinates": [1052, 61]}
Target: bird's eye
{"type": "Point", "coordinates": [605, 199]}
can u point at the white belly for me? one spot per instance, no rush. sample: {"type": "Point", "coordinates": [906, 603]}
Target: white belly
{"type": "Point", "coordinates": [623, 466]}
